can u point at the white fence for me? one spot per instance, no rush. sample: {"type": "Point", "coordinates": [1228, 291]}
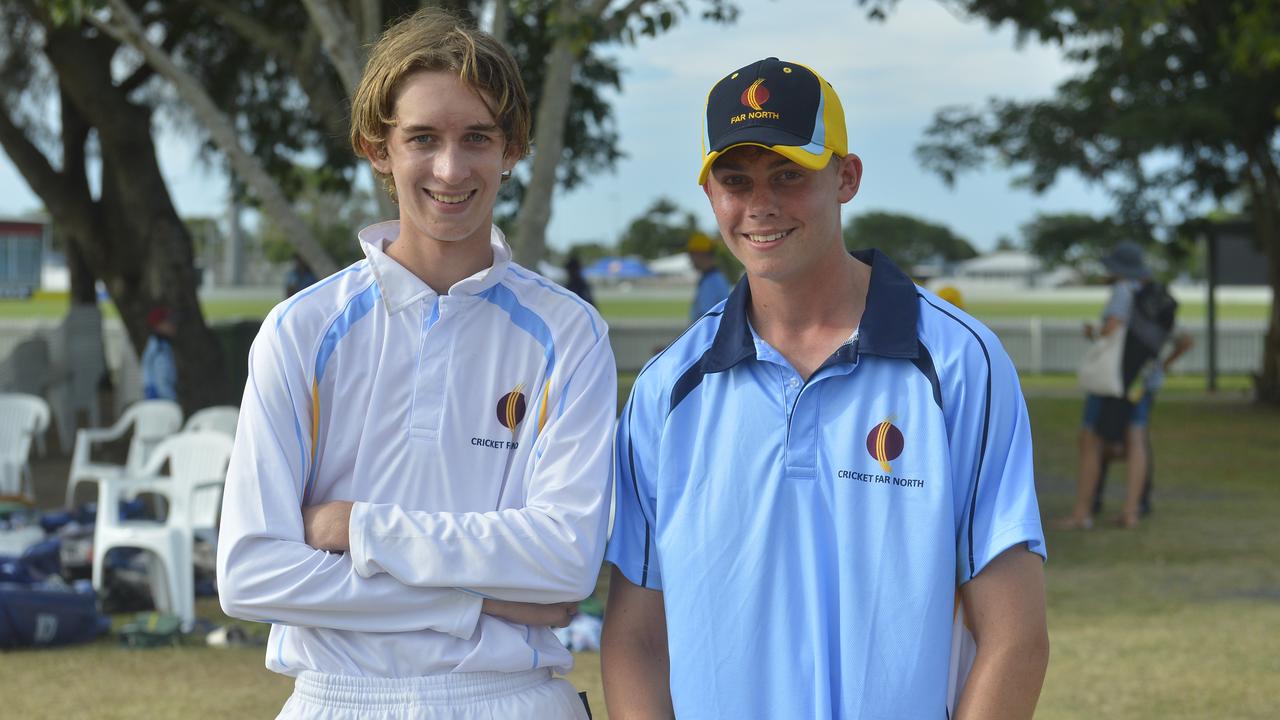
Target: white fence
{"type": "Point", "coordinates": [1036, 345]}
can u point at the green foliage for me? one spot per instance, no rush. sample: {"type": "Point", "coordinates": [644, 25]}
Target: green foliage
{"type": "Point", "coordinates": [1076, 239]}
{"type": "Point", "coordinates": [663, 229]}
{"type": "Point", "coordinates": [333, 216]}
{"type": "Point", "coordinates": [1164, 109]}
{"type": "Point", "coordinates": [910, 241]}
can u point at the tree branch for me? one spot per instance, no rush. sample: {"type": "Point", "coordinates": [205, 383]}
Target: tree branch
{"type": "Point", "coordinates": [44, 180]}
{"type": "Point", "coordinates": [126, 28]}
{"type": "Point", "coordinates": [340, 40]}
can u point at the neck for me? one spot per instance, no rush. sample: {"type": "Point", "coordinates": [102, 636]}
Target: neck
{"type": "Point", "coordinates": [832, 296]}
{"type": "Point", "coordinates": [439, 264]}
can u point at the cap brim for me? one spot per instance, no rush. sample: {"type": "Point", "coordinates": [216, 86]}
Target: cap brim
{"type": "Point", "coordinates": [783, 143]}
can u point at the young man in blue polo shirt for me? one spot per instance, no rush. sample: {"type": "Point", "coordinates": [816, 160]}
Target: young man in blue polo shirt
{"type": "Point", "coordinates": [813, 477]}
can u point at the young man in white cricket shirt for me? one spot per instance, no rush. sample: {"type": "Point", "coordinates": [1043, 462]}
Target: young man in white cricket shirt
{"type": "Point", "coordinates": [420, 483]}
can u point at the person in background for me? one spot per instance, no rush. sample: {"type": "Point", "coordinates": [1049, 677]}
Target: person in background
{"type": "Point", "coordinates": [952, 294]}
{"type": "Point", "coordinates": [574, 280]}
{"type": "Point", "coordinates": [299, 277]}
{"type": "Point", "coordinates": [1127, 274]}
{"type": "Point", "coordinates": [712, 285]}
{"type": "Point", "coordinates": [159, 370]}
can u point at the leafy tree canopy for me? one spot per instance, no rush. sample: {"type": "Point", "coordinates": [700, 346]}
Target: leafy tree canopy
{"type": "Point", "coordinates": [910, 241]}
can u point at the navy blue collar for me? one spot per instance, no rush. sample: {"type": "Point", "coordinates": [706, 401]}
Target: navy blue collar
{"type": "Point", "coordinates": [888, 326]}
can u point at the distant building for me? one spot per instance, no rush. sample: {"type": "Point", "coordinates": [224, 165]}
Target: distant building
{"type": "Point", "coordinates": [1011, 268]}
{"type": "Point", "coordinates": [22, 249]}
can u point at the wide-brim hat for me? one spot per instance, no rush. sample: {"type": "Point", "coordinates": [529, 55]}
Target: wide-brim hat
{"type": "Point", "coordinates": [1127, 260]}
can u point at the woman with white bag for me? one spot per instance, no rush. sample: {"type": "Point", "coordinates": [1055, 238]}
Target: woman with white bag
{"type": "Point", "coordinates": [1113, 394]}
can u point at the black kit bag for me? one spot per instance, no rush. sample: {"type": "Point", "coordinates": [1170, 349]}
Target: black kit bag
{"type": "Point", "coordinates": [1150, 324]}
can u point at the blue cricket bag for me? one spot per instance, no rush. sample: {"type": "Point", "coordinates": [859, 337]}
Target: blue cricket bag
{"type": "Point", "coordinates": [35, 614]}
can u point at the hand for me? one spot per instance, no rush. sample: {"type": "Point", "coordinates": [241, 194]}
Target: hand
{"type": "Point", "coordinates": [1088, 330]}
{"type": "Point", "coordinates": [553, 615]}
{"type": "Point", "coordinates": [327, 526]}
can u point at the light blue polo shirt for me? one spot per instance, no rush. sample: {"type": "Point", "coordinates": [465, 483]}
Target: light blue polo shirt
{"type": "Point", "coordinates": [809, 537]}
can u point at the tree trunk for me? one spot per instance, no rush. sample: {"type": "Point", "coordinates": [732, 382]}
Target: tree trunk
{"type": "Point", "coordinates": [548, 145]}
{"type": "Point", "coordinates": [130, 237]}
{"type": "Point", "coordinates": [127, 29]}
{"type": "Point", "coordinates": [1265, 190]}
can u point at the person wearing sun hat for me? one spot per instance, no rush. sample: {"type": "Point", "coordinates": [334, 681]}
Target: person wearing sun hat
{"type": "Point", "coordinates": [712, 285]}
{"type": "Point", "coordinates": [817, 475]}
{"type": "Point", "coordinates": [1118, 422]}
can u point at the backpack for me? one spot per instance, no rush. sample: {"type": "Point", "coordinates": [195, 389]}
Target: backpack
{"type": "Point", "coordinates": [1149, 327]}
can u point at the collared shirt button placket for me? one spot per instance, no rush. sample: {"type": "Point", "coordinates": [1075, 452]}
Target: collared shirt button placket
{"type": "Point", "coordinates": [433, 371]}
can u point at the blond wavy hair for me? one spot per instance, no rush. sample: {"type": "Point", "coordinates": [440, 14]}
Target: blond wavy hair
{"type": "Point", "coordinates": [434, 39]}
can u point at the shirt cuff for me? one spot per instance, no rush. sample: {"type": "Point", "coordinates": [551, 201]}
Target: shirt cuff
{"type": "Point", "coordinates": [357, 534]}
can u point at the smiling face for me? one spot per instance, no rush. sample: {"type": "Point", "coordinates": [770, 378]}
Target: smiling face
{"type": "Point", "coordinates": [446, 155]}
{"type": "Point", "coordinates": [781, 221]}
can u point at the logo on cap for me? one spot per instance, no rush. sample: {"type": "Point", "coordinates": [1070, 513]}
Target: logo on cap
{"type": "Point", "coordinates": [756, 95]}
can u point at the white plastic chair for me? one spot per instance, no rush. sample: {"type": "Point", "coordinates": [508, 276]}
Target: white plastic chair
{"type": "Point", "coordinates": [23, 418]}
{"type": "Point", "coordinates": [221, 418]}
{"type": "Point", "coordinates": [151, 420]}
{"type": "Point", "coordinates": [197, 464]}
{"type": "Point", "coordinates": [218, 418]}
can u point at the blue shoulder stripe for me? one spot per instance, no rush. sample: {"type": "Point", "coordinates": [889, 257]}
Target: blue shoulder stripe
{"type": "Point", "coordinates": [316, 286]}
{"type": "Point", "coordinates": [538, 280]}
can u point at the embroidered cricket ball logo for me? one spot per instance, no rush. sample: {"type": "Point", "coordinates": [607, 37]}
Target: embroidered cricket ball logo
{"type": "Point", "coordinates": [756, 95]}
{"type": "Point", "coordinates": [885, 443]}
{"type": "Point", "coordinates": [511, 408]}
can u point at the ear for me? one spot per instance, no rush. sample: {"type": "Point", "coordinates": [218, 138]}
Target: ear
{"type": "Point", "coordinates": [511, 157]}
{"type": "Point", "coordinates": [850, 170]}
{"type": "Point", "coordinates": [377, 155]}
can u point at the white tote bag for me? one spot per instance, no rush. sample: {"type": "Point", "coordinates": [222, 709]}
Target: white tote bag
{"type": "Point", "coordinates": [1099, 372]}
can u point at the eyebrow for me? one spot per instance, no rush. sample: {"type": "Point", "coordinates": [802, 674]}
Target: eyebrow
{"type": "Point", "coordinates": [733, 166]}
{"type": "Point", "coordinates": [478, 127]}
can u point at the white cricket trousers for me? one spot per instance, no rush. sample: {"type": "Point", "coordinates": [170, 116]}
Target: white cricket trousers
{"type": "Point", "coordinates": [532, 694]}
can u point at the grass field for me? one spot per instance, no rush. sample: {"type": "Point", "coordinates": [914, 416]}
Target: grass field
{"type": "Point", "coordinates": [1178, 619]}
{"type": "Point", "coordinates": [617, 308]}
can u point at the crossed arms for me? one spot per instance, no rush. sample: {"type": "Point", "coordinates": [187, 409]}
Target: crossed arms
{"type": "Point", "coordinates": [283, 563]}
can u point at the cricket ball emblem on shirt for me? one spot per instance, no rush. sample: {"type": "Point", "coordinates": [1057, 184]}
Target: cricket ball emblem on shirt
{"type": "Point", "coordinates": [885, 443]}
{"type": "Point", "coordinates": [511, 408]}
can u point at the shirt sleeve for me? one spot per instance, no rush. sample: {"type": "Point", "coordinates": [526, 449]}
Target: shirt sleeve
{"type": "Point", "coordinates": [550, 550]}
{"type": "Point", "coordinates": [991, 458]}
{"type": "Point", "coordinates": [1120, 302]}
{"type": "Point", "coordinates": [632, 546]}
{"type": "Point", "coordinates": [265, 570]}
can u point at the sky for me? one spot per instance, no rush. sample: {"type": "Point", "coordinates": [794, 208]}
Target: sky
{"type": "Point", "coordinates": [891, 78]}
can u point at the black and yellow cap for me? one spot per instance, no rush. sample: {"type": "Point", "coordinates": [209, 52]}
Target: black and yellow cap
{"type": "Point", "coordinates": [781, 106]}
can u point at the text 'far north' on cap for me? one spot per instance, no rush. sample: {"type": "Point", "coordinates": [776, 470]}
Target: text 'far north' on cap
{"type": "Point", "coordinates": [782, 106]}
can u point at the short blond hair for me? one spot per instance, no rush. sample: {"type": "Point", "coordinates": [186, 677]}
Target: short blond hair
{"type": "Point", "coordinates": [435, 39]}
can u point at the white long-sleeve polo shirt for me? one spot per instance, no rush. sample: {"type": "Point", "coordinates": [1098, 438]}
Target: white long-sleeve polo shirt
{"type": "Point", "coordinates": [472, 429]}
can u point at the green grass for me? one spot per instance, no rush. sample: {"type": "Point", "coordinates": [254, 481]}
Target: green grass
{"type": "Point", "coordinates": [1176, 619]}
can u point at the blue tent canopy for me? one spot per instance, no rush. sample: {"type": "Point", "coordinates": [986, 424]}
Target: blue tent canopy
{"type": "Point", "coordinates": [617, 268]}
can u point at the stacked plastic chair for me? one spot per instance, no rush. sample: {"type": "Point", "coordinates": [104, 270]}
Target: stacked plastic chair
{"type": "Point", "coordinates": [151, 422]}
{"type": "Point", "coordinates": [197, 462]}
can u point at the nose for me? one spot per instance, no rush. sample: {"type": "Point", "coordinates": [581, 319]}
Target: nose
{"type": "Point", "coordinates": [451, 165]}
{"type": "Point", "coordinates": [762, 202]}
